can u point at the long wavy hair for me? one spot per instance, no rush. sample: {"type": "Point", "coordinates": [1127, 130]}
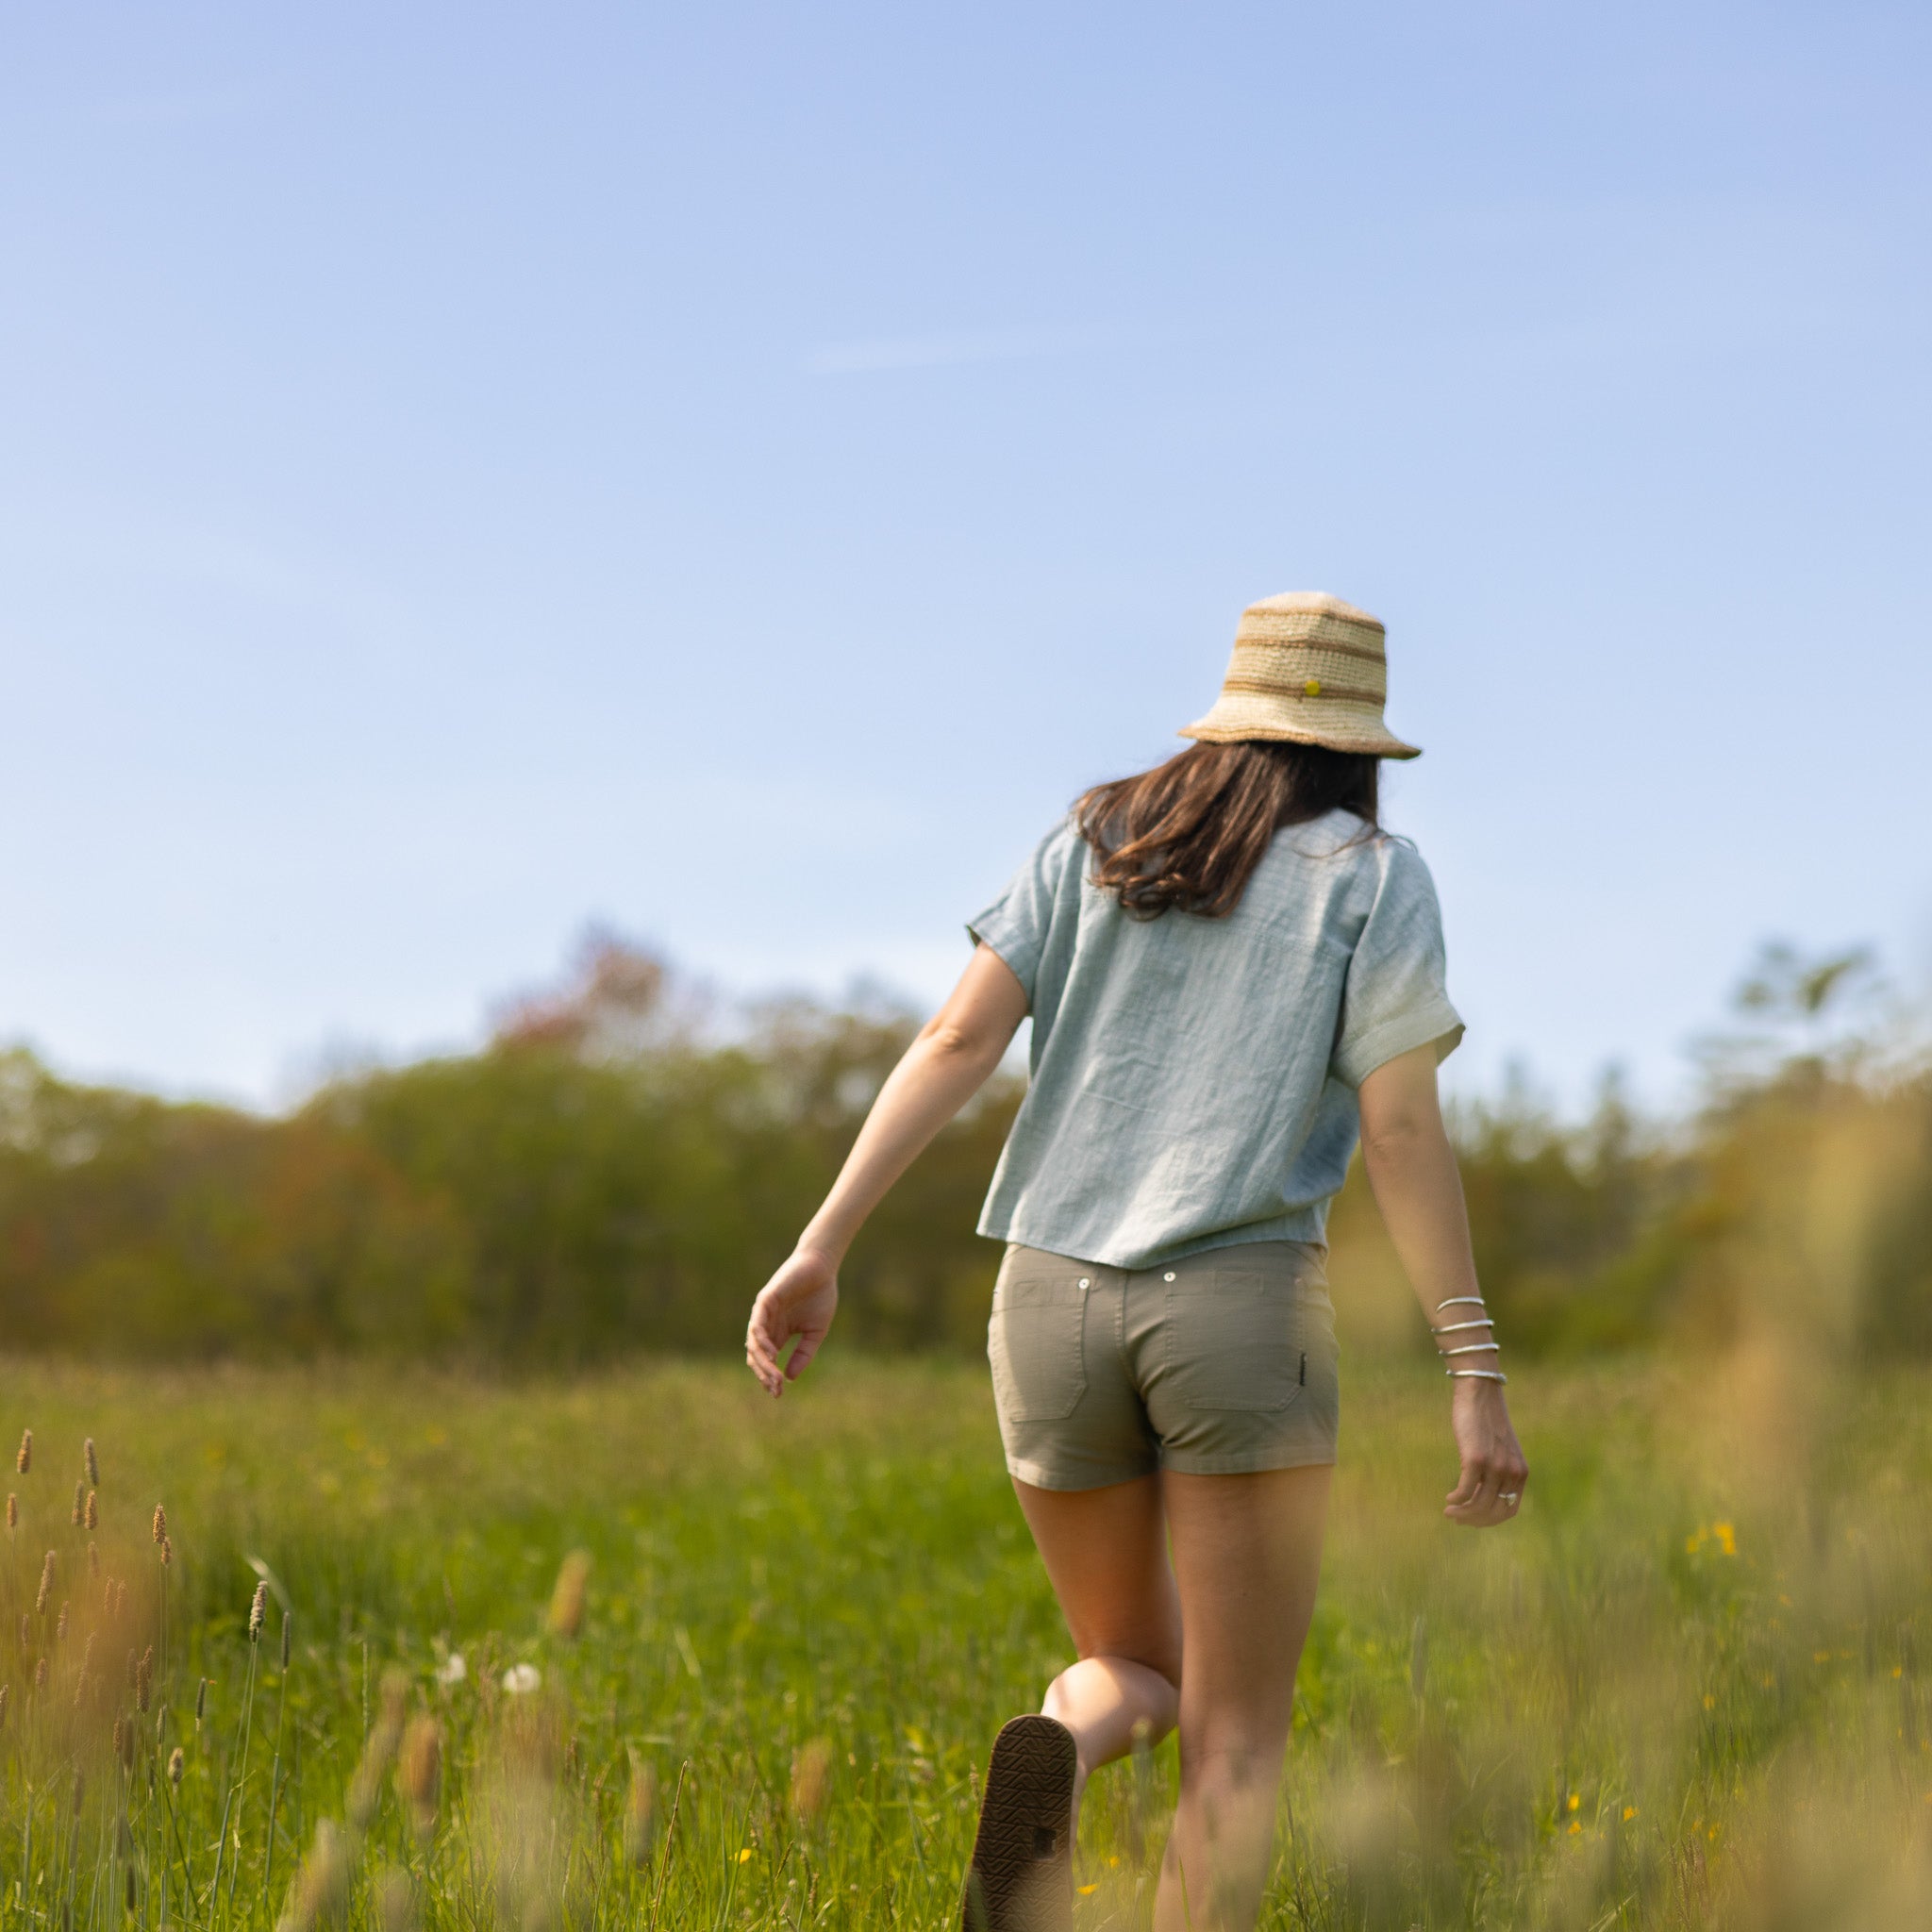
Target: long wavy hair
{"type": "Point", "coordinates": [1189, 833]}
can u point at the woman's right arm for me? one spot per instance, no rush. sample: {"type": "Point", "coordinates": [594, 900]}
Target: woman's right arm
{"type": "Point", "coordinates": [1412, 1169]}
{"type": "Point", "coordinates": [944, 1067]}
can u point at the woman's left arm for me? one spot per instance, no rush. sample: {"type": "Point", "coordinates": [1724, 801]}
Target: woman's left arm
{"type": "Point", "coordinates": [943, 1068]}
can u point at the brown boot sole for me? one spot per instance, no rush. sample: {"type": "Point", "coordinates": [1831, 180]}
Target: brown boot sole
{"type": "Point", "coordinates": [1022, 1876]}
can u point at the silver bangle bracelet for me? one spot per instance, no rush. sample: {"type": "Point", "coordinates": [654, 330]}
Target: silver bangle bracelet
{"type": "Point", "coordinates": [1474, 1349]}
{"type": "Point", "coordinates": [1461, 1301]}
{"type": "Point", "coordinates": [1477, 1374]}
{"type": "Point", "coordinates": [1457, 1327]}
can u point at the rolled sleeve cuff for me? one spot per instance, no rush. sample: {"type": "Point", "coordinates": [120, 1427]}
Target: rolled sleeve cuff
{"type": "Point", "coordinates": [1021, 955]}
{"type": "Point", "coordinates": [1438, 1022]}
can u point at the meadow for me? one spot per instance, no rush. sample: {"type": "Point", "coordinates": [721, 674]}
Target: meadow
{"type": "Point", "coordinates": [639, 1648]}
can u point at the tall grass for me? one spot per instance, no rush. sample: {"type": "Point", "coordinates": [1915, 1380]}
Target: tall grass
{"type": "Point", "coordinates": [645, 1650]}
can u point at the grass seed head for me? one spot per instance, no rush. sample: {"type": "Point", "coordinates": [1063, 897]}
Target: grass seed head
{"type": "Point", "coordinates": [258, 1611]}
{"type": "Point", "coordinates": [79, 1505]}
{"type": "Point", "coordinates": [26, 1631]}
{"type": "Point", "coordinates": [200, 1702]}
{"type": "Point", "coordinates": [322, 1885]}
{"type": "Point", "coordinates": [91, 1463]}
{"type": "Point", "coordinates": [419, 1773]}
{"type": "Point", "coordinates": [639, 1811]}
{"type": "Point", "coordinates": [40, 1673]}
{"type": "Point", "coordinates": [177, 1764]}
{"type": "Point", "coordinates": [61, 1626]}
{"type": "Point", "coordinates": [24, 1460]}
{"type": "Point", "coordinates": [812, 1770]}
{"type": "Point", "coordinates": [566, 1617]}
{"type": "Point", "coordinates": [91, 1513]}
{"type": "Point", "coordinates": [395, 1902]}
{"type": "Point", "coordinates": [160, 1523]}
{"type": "Point", "coordinates": [167, 1551]}
{"type": "Point", "coordinates": [12, 1511]}
{"type": "Point", "coordinates": [46, 1585]}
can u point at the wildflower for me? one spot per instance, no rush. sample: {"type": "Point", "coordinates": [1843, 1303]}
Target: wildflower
{"type": "Point", "coordinates": [744, 1857]}
{"type": "Point", "coordinates": [1726, 1535]}
{"type": "Point", "coordinates": [521, 1679]}
{"type": "Point", "coordinates": [177, 1764]}
{"type": "Point", "coordinates": [567, 1599]}
{"type": "Point", "coordinates": [1630, 1812]}
{"type": "Point", "coordinates": [1573, 1803]}
{"type": "Point", "coordinates": [24, 1460]}
{"type": "Point", "coordinates": [452, 1669]}
{"type": "Point", "coordinates": [639, 1811]}
{"type": "Point", "coordinates": [1087, 1891]}
{"type": "Point", "coordinates": [1576, 1827]}
{"type": "Point", "coordinates": [160, 1530]}
{"type": "Point", "coordinates": [90, 1514]}
{"type": "Point", "coordinates": [46, 1585]}
{"type": "Point", "coordinates": [257, 1610]}
{"type": "Point", "coordinates": [419, 1773]}
{"type": "Point", "coordinates": [812, 1766]}
{"type": "Point", "coordinates": [91, 1463]}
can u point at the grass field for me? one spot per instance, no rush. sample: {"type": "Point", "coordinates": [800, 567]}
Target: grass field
{"type": "Point", "coordinates": [1683, 1691]}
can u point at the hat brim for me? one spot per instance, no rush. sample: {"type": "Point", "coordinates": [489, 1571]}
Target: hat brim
{"type": "Point", "coordinates": [1220, 728]}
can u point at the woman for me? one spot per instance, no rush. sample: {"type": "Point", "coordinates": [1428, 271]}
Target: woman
{"type": "Point", "coordinates": [1232, 970]}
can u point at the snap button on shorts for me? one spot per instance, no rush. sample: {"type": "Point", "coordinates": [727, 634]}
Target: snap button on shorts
{"type": "Point", "coordinates": [1220, 1364]}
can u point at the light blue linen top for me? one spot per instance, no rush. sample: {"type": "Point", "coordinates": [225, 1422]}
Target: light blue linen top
{"type": "Point", "coordinates": [1194, 1080]}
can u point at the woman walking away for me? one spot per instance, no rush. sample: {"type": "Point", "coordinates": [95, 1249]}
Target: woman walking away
{"type": "Point", "coordinates": [1232, 970]}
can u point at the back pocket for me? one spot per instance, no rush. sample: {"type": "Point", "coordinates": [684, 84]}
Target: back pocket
{"type": "Point", "coordinates": [1234, 1340]}
{"type": "Point", "coordinates": [1036, 1339]}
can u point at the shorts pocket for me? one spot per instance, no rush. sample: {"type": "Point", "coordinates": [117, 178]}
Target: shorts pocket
{"type": "Point", "coordinates": [1234, 1340]}
{"type": "Point", "coordinates": [1036, 1339]}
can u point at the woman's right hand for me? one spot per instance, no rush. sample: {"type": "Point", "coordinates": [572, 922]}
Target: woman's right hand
{"type": "Point", "coordinates": [1493, 1470]}
{"type": "Point", "coordinates": [799, 1300]}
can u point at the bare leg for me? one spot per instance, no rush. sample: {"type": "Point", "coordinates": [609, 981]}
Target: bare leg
{"type": "Point", "coordinates": [1247, 1550]}
{"type": "Point", "coordinates": [1106, 1553]}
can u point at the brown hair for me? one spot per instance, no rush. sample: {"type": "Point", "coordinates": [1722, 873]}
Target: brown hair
{"type": "Point", "coordinates": [1191, 832]}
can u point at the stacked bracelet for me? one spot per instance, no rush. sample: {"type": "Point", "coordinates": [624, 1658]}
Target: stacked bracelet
{"type": "Point", "coordinates": [1488, 1347]}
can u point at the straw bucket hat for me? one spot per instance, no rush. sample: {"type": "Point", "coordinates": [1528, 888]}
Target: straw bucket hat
{"type": "Point", "coordinates": [1309, 668]}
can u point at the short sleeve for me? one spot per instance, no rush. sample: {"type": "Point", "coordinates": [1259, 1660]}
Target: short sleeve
{"type": "Point", "coordinates": [1394, 999]}
{"type": "Point", "coordinates": [1015, 925]}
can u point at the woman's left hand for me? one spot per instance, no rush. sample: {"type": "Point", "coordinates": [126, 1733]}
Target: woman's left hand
{"type": "Point", "coordinates": [801, 1300]}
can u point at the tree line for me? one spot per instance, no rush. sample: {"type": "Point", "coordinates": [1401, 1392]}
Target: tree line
{"type": "Point", "coordinates": [607, 1175]}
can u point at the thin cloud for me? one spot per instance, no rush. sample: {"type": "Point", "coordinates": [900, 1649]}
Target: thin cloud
{"type": "Point", "coordinates": [942, 352]}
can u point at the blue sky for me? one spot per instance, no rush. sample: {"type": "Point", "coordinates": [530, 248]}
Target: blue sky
{"type": "Point", "coordinates": [734, 473]}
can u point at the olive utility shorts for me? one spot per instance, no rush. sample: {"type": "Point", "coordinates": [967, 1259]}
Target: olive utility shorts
{"type": "Point", "coordinates": [1217, 1365]}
